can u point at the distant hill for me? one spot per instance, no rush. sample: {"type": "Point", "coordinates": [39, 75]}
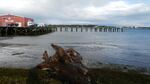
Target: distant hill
{"type": "Point", "coordinates": [143, 27]}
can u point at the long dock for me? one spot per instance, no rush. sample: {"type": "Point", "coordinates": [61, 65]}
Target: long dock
{"type": "Point", "coordinates": [14, 31]}
{"type": "Point", "coordinates": [87, 29]}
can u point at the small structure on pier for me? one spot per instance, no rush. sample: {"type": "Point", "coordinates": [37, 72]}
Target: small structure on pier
{"type": "Point", "coordinates": [15, 21]}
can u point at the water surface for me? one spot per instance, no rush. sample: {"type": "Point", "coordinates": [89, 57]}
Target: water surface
{"type": "Point", "coordinates": [129, 48]}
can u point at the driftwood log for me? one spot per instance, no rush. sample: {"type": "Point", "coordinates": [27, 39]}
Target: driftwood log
{"type": "Point", "coordinates": [65, 65]}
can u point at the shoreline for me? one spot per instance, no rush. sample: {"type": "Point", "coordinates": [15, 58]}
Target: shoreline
{"type": "Point", "coordinates": [117, 67]}
{"type": "Point", "coordinates": [98, 76]}
{"type": "Point", "coordinates": [122, 68]}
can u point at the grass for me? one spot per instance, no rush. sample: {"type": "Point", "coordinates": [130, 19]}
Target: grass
{"type": "Point", "coordinates": [98, 76]}
{"type": "Point", "coordinates": [107, 76]}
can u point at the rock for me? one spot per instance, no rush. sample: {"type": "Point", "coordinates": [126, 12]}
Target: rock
{"type": "Point", "coordinates": [65, 65]}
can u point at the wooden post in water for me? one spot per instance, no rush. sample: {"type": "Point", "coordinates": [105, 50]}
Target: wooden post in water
{"type": "Point", "coordinates": [6, 31]}
{"type": "Point", "coordinates": [110, 29]}
{"type": "Point", "coordinates": [71, 29]}
{"type": "Point", "coordinates": [66, 30]}
{"type": "Point", "coordinates": [85, 29]}
{"type": "Point", "coordinates": [56, 29]}
{"type": "Point", "coordinates": [81, 29]}
{"type": "Point", "coordinates": [91, 29]}
{"type": "Point", "coordinates": [0, 32]}
{"type": "Point", "coordinates": [113, 29]}
{"type": "Point", "coordinates": [76, 29]}
{"type": "Point", "coordinates": [100, 29]}
{"type": "Point", "coordinates": [15, 31]}
{"type": "Point", "coordinates": [104, 29]}
{"type": "Point", "coordinates": [107, 30]}
{"type": "Point", "coordinates": [60, 29]}
{"type": "Point", "coordinates": [122, 30]}
{"type": "Point", "coordinates": [117, 29]}
{"type": "Point", "coordinates": [95, 29]}
{"type": "Point", "coordinates": [26, 32]}
{"type": "Point", "coordinates": [52, 29]}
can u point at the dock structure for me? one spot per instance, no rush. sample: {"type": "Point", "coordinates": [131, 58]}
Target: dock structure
{"type": "Point", "coordinates": [87, 29]}
{"type": "Point", "coordinates": [13, 31]}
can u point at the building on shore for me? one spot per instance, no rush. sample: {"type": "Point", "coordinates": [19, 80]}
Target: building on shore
{"type": "Point", "coordinates": [15, 21]}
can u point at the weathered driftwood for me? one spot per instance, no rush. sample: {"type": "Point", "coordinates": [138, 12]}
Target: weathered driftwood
{"type": "Point", "coordinates": [65, 65]}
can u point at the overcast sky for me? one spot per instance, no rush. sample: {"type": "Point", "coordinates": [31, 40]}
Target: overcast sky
{"type": "Point", "coordinates": [105, 12]}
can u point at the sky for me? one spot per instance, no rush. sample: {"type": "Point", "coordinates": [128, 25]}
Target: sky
{"type": "Point", "coordinates": [101, 12]}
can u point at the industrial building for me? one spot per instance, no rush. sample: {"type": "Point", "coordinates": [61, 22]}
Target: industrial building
{"type": "Point", "coordinates": [15, 21]}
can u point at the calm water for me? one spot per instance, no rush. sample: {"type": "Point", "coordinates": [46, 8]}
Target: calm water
{"type": "Point", "coordinates": [130, 48]}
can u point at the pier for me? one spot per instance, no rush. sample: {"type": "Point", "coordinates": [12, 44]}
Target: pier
{"type": "Point", "coordinates": [13, 31]}
{"type": "Point", "coordinates": [87, 29]}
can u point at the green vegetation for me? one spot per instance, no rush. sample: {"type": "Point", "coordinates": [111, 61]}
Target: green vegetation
{"type": "Point", "coordinates": [105, 27]}
{"type": "Point", "coordinates": [107, 76]}
{"type": "Point", "coordinates": [24, 76]}
{"type": "Point", "coordinates": [13, 76]}
{"type": "Point", "coordinates": [98, 76]}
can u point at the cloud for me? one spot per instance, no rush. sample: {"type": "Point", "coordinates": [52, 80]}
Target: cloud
{"type": "Point", "coordinates": [117, 12]}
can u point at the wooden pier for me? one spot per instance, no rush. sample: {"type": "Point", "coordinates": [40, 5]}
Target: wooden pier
{"type": "Point", "coordinates": [13, 31]}
{"type": "Point", "coordinates": [86, 29]}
